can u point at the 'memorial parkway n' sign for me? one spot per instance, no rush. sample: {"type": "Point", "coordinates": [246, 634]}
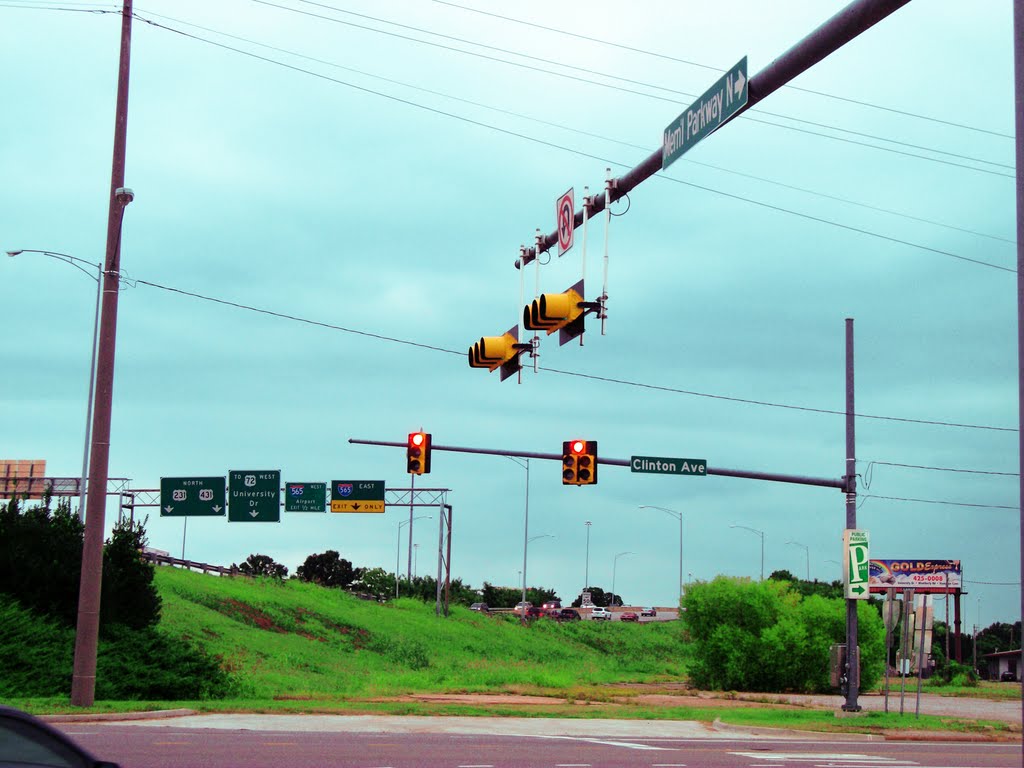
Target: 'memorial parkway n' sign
{"type": "Point", "coordinates": [660, 465]}
{"type": "Point", "coordinates": [720, 102]}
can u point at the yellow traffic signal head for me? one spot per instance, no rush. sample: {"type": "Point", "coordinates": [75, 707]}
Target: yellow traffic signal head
{"type": "Point", "coordinates": [497, 352]}
{"type": "Point", "coordinates": [417, 453]}
{"type": "Point", "coordinates": [557, 312]}
{"type": "Point", "coordinates": [579, 462]}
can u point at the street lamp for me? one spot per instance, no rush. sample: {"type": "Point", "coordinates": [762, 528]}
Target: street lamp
{"type": "Point", "coordinates": [807, 551]}
{"type": "Point", "coordinates": [615, 563]}
{"type": "Point", "coordinates": [75, 262]}
{"type": "Point", "coordinates": [398, 546]}
{"type": "Point", "coordinates": [759, 533]}
{"type": "Point", "coordinates": [533, 538]}
{"type": "Point", "coordinates": [586, 570]}
{"type": "Point", "coordinates": [525, 464]}
{"type": "Point", "coordinates": [678, 516]}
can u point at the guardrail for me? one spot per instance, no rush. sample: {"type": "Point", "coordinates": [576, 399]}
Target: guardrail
{"type": "Point", "coordinates": [158, 558]}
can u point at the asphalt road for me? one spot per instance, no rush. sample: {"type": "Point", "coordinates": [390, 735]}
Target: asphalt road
{"type": "Point", "coordinates": [305, 741]}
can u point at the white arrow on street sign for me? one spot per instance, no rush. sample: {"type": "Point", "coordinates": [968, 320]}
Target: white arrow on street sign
{"type": "Point", "coordinates": [856, 564]}
{"type": "Point", "coordinates": [168, 509]}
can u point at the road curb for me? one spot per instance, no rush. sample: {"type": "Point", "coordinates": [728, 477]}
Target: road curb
{"type": "Point", "coordinates": [757, 730]}
{"type": "Point", "coordinates": [108, 716]}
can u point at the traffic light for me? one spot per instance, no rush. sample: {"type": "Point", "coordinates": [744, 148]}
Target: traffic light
{"type": "Point", "coordinates": [579, 462]}
{"type": "Point", "coordinates": [417, 453]}
{"type": "Point", "coordinates": [498, 352]}
{"type": "Point", "coordinates": [561, 312]}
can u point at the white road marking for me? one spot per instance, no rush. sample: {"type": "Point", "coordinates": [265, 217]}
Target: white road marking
{"type": "Point", "coordinates": [825, 759]}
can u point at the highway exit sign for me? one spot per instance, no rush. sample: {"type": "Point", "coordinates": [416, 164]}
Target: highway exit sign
{"type": "Point", "coordinates": [855, 564]}
{"type": "Point", "coordinates": [305, 497]}
{"type": "Point", "coordinates": [192, 496]}
{"type": "Point", "coordinates": [254, 496]}
{"type": "Point", "coordinates": [357, 496]}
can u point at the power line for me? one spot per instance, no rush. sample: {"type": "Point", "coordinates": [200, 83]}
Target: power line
{"type": "Point", "coordinates": [674, 390]}
{"type": "Point", "coordinates": [935, 501]}
{"type": "Point", "coordinates": [666, 57]}
{"type": "Point", "coordinates": [941, 469]}
{"type": "Point", "coordinates": [553, 145]}
{"type": "Point", "coordinates": [587, 133]}
{"type": "Point", "coordinates": [746, 115]}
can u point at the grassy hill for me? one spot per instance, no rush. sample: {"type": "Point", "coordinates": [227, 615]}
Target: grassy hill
{"type": "Point", "coordinates": [293, 639]}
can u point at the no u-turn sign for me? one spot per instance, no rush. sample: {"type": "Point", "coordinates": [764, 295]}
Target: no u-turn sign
{"type": "Point", "coordinates": [565, 213]}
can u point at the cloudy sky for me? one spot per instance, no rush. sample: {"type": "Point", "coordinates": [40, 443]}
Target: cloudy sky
{"type": "Point", "coordinates": [367, 171]}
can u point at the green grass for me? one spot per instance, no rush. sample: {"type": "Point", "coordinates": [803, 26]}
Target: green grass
{"type": "Point", "coordinates": [297, 639]}
{"type": "Point", "coordinates": [298, 648]}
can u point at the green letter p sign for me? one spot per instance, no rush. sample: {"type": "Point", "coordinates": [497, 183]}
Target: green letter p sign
{"type": "Point", "coordinates": [856, 561]}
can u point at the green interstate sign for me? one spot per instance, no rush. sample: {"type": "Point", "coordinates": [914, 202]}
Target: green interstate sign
{"type": "Point", "coordinates": [305, 497]}
{"type": "Point", "coordinates": [254, 496]}
{"type": "Point", "coordinates": [192, 496]}
{"type": "Point", "coordinates": [662, 465]}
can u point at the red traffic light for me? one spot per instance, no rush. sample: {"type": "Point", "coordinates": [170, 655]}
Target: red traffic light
{"type": "Point", "coordinates": [578, 446]}
{"type": "Point", "coordinates": [417, 453]}
{"type": "Point", "coordinates": [416, 439]}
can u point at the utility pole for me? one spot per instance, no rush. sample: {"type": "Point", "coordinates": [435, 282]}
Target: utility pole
{"type": "Point", "coordinates": [852, 651]}
{"type": "Point", "coordinates": [1018, 57]}
{"type": "Point", "coordinates": [83, 681]}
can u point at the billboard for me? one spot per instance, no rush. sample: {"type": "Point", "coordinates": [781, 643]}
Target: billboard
{"type": "Point", "coordinates": [923, 576]}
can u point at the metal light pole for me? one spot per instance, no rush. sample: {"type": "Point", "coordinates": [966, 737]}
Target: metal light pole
{"type": "Point", "coordinates": [586, 570]}
{"type": "Point", "coordinates": [678, 516]}
{"type": "Point", "coordinates": [525, 464]}
{"type": "Point", "coordinates": [73, 261]}
{"type": "Point", "coordinates": [398, 546]}
{"type": "Point", "coordinates": [532, 538]}
{"type": "Point", "coordinates": [759, 533]}
{"type": "Point", "coordinates": [615, 564]}
{"type": "Point", "coordinates": [807, 550]}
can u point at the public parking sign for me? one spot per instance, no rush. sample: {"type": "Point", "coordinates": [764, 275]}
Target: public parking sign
{"type": "Point", "coordinates": [305, 497]}
{"type": "Point", "coordinates": [191, 496]}
{"type": "Point", "coordinates": [254, 496]}
{"type": "Point", "coordinates": [856, 564]}
{"type": "Point", "coordinates": [357, 496]}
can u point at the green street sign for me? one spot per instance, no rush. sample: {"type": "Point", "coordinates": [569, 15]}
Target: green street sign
{"type": "Point", "coordinates": [659, 465]}
{"type": "Point", "coordinates": [192, 496]}
{"type": "Point", "coordinates": [305, 497]}
{"type": "Point", "coordinates": [254, 496]}
{"type": "Point", "coordinates": [856, 564]}
{"type": "Point", "coordinates": [702, 118]}
{"type": "Point", "coordinates": [357, 496]}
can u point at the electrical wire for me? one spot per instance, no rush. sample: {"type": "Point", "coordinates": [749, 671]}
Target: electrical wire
{"type": "Point", "coordinates": [553, 145]}
{"type": "Point", "coordinates": [666, 57]}
{"type": "Point", "coordinates": [586, 133]}
{"type": "Point", "coordinates": [943, 469]}
{"type": "Point", "coordinates": [673, 390]}
{"type": "Point", "coordinates": [589, 71]}
{"type": "Point", "coordinates": [935, 501]}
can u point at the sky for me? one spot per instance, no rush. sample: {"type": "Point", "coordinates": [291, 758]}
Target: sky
{"type": "Point", "coordinates": [329, 201]}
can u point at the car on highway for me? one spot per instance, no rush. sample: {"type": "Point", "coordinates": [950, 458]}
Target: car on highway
{"type": "Point", "coordinates": [522, 607]}
{"type": "Point", "coordinates": [648, 612]}
{"type": "Point", "coordinates": [565, 614]}
{"type": "Point", "coordinates": [533, 612]}
{"type": "Point", "coordinates": [482, 607]}
{"type": "Point", "coordinates": [28, 741]}
{"type": "Point", "coordinates": [551, 604]}
{"type": "Point", "coordinates": [629, 616]}
{"type": "Point", "coordinates": [600, 613]}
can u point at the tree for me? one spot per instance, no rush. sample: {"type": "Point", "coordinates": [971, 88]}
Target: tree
{"type": "Point", "coordinates": [262, 565]}
{"type": "Point", "coordinates": [598, 597]}
{"type": "Point", "coordinates": [377, 582]}
{"type": "Point", "coordinates": [328, 569]}
{"type": "Point", "coordinates": [128, 595]}
{"type": "Point", "coordinates": [764, 636]}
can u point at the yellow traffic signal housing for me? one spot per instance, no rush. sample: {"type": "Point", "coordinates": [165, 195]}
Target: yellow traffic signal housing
{"type": "Point", "coordinates": [562, 312]}
{"type": "Point", "coordinates": [498, 352]}
{"type": "Point", "coordinates": [417, 453]}
{"type": "Point", "coordinates": [579, 462]}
